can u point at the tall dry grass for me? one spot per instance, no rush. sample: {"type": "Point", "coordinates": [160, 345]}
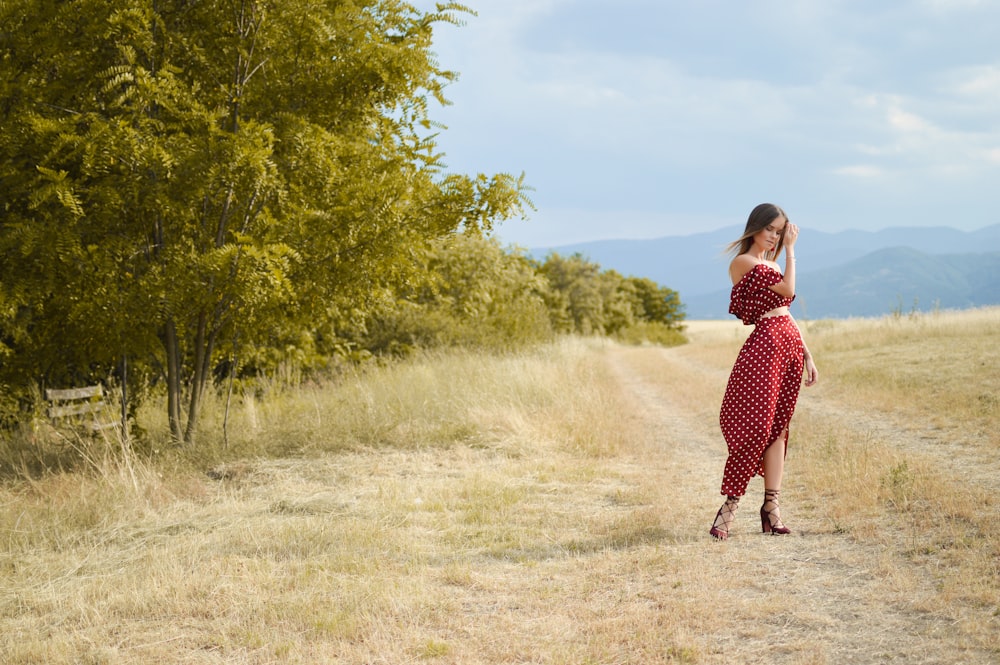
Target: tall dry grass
{"type": "Point", "coordinates": [462, 508]}
{"type": "Point", "coordinates": [434, 399]}
{"type": "Point", "coordinates": [921, 479]}
{"type": "Point", "coordinates": [354, 510]}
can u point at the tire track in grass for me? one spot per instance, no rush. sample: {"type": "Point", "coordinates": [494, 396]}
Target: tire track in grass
{"type": "Point", "coordinates": [816, 596]}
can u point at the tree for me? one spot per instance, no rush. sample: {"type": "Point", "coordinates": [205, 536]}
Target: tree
{"type": "Point", "coordinates": [184, 179]}
{"type": "Point", "coordinates": [655, 303]}
{"type": "Point", "coordinates": [574, 296]}
{"type": "Point", "coordinates": [584, 299]}
{"type": "Point", "coordinates": [468, 292]}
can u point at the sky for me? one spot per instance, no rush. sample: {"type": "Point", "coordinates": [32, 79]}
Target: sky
{"type": "Point", "coordinates": [652, 118]}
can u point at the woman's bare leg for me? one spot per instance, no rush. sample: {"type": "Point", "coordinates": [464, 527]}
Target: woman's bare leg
{"type": "Point", "coordinates": [774, 463]}
{"type": "Point", "coordinates": [774, 468]}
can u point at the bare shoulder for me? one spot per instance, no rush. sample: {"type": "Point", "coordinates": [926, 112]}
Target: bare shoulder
{"type": "Point", "coordinates": [740, 266]}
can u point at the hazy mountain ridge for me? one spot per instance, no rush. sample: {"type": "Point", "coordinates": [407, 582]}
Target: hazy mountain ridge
{"type": "Point", "coordinates": [849, 273]}
{"type": "Point", "coordinates": [888, 280]}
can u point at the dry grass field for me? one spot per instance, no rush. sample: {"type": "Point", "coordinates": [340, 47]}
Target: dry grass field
{"type": "Point", "coordinates": [550, 507]}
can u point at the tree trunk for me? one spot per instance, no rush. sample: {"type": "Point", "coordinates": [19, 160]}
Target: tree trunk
{"type": "Point", "coordinates": [198, 378]}
{"type": "Point", "coordinates": [173, 379]}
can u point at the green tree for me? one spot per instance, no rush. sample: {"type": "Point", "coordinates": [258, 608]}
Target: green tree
{"type": "Point", "coordinates": [574, 296]}
{"type": "Point", "coordinates": [618, 310]}
{"type": "Point", "coordinates": [655, 303]}
{"type": "Point", "coordinates": [584, 299]}
{"type": "Point", "coordinates": [470, 292]}
{"type": "Point", "coordinates": [184, 181]}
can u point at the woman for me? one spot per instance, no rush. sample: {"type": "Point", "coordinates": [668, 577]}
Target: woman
{"type": "Point", "coordinates": [764, 384]}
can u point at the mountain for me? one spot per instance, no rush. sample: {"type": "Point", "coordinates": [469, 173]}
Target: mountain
{"type": "Point", "coordinates": [887, 280]}
{"type": "Point", "coordinates": [849, 273]}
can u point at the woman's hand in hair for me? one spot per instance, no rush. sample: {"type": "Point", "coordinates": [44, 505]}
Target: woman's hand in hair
{"type": "Point", "coordinates": [791, 234]}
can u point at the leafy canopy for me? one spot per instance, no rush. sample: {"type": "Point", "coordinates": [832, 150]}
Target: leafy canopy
{"type": "Point", "coordinates": [186, 180]}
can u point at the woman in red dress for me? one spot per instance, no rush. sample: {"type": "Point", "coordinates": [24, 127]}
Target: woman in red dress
{"type": "Point", "coordinates": [764, 384]}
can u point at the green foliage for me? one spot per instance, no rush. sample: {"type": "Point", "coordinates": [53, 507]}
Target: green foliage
{"type": "Point", "coordinates": [574, 295]}
{"type": "Point", "coordinates": [199, 191]}
{"type": "Point", "coordinates": [656, 304]}
{"type": "Point", "coordinates": [584, 299]}
{"type": "Point", "coordinates": [469, 292]}
{"type": "Point", "coordinates": [188, 182]}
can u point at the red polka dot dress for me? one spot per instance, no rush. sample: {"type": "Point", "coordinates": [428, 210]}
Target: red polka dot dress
{"type": "Point", "coordinates": [764, 384]}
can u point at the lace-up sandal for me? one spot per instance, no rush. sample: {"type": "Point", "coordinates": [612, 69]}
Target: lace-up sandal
{"type": "Point", "coordinates": [770, 515]}
{"type": "Point", "coordinates": [724, 518]}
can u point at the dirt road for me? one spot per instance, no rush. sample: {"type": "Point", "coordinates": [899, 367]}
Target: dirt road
{"type": "Point", "coordinates": [817, 596]}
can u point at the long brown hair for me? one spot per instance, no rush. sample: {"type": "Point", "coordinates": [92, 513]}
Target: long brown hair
{"type": "Point", "coordinates": [759, 218]}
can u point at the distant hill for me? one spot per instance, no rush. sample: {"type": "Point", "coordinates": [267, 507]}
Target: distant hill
{"type": "Point", "coordinates": [887, 280]}
{"type": "Point", "coordinates": [850, 273]}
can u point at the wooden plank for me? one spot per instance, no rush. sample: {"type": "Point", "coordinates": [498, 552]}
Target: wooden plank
{"type": "Point", "coordinates": [57, 395]}
{"type": "Point", "coordinates": [78, 403]}
{"type": "Point", "coordinates": [64, 410]}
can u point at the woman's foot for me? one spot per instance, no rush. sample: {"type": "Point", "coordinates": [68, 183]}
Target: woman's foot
{"type": "Point", "coordinates": [724, 518]}
{"type": "Point", "coordinates": [770, 514]}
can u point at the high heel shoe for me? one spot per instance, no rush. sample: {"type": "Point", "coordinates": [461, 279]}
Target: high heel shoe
{"type": "Point", "coordinates": [770, 519]}
{"type": "Point", "coordinates": [726, 514]}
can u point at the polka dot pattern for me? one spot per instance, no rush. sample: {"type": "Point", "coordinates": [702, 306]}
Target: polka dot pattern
{"type": "Point", "coordinates": [751, 298]}
{"type": "Point", "coordinates": [764, 384]}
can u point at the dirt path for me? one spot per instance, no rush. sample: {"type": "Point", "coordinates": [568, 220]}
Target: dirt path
{"type": "Point", "coordinates": [817, 596]}
{"type": "Point", "coordinates": [951, 452]}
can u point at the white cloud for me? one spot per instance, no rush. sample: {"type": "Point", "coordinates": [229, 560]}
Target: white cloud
{"type": "Point", "coordinates": [981, 82]}
{"type": "Point", "coordinates": [907, 122]}
{"type": "Point", "coordinates": [604, 112]}
{"type": "Point", "coordinates": [900, 137]}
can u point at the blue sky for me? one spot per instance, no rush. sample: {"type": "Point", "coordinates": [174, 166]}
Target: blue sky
{"type": "Point", "coordinates": [648, 118]}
